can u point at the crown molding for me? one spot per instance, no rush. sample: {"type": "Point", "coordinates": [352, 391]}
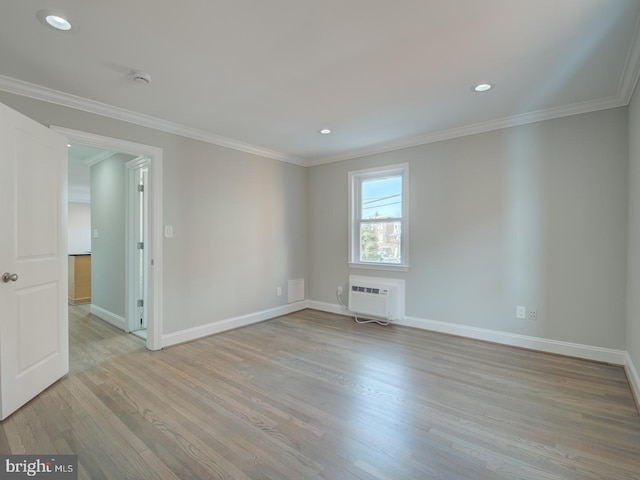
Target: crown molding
{"type": "Point", "coordinates": [628, 81]}
{"type": "Point", "coordinates": [26, 89]}
{"type": "Point", "coordinates": [473, 129]}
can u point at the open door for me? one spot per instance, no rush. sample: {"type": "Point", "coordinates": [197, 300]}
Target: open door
{"type": "Point", "coordinates": [137, 249]}
{"type": "Point", "coordinates": [34, 337]}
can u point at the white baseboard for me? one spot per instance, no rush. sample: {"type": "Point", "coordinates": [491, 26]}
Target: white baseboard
{"type": "Point", "coordinates": [230, 323]}
{"type": "Point", "coordinates": [587, 352]}
{"type": "Point", "coordinates": [634, 379]}
{"type": "Point", "coordinates": [607, 355]}
{"type": "Point", "coordinates": [328, 307]}
{"type": "Point", "coordinates": [109, 317]}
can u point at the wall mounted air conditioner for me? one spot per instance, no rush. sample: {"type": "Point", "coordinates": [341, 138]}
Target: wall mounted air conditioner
{"type": "Point", "coordinates": [376, 297]}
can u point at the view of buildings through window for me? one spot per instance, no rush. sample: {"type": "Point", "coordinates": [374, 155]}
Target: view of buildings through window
{"type": "Point", "coordinates": [381, 220]}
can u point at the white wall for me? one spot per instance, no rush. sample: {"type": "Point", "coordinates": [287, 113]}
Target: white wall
{"type": "Point", "coordinates": [79, 231]}
{"type": "Point", "coordinates": [532, 215]}
{"type": "Point", "coordinates": [633, 282]}
{"type": "Point", "coordinates": [108, 218]}
{"type": "Point", "coordinates": [239, 220]}
{"type": "Point", "coordinates": [240, 231]}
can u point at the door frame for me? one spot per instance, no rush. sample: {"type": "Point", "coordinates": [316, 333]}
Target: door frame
{"type": "Point", "coordinates": [156, 231]}
{"type": "Point", "coordinates": [131, 250]}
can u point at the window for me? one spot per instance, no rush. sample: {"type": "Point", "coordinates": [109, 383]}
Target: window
{"type": "Point", "coordinates": [378, 230]}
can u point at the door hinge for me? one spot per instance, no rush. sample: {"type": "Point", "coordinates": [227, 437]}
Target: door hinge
{"type": "Point", "coordinates": [141, 303]}
{"type": "Point", "coordinates": [140, 245]}
{"type": "Point", "coordinates": [141, 188]}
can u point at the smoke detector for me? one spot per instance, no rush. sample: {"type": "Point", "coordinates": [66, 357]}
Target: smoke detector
{"type": "Point", "coordinates": [141, 77]}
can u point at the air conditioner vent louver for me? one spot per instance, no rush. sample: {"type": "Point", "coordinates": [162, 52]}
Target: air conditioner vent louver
{"type": "Point", "coordinates": [375, 291]}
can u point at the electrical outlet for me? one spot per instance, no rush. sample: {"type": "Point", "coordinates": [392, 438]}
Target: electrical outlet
{"type": "Point", "coordinates": [340, 290]}
{"type": "Point", "coordinates": [533, 314]}
{"type": "Point", "coordinates": [521, 312]}
{"type": "Point", "coordinates": [279, 291]}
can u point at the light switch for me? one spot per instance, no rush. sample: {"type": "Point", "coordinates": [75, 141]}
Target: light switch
{"type": "Point", "coordinates": [168, 231]}
{"type": "Point", "coordinates": [95, 233]}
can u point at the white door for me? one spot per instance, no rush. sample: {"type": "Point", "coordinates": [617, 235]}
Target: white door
{"type": "Point", "coordinates": [137, 244]}
{"type": "Point", "coordinates": [140, 237]}
{"type": "Point", "coordinates": [144, 234]}
{"type": "Point", "coordinates": [34, 337]}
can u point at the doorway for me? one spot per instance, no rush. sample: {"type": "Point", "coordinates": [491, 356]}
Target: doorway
{"type": "Point", "coordinates": [143, 278]}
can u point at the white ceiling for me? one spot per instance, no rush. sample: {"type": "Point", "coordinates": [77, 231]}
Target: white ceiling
{"type": "Point", "coordinates": [265, 76]}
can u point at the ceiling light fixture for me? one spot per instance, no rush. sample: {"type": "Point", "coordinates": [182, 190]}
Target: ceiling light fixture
{"type": "Point", "coordinates": [55, 20]}
{"type": "Point", "coordinates": [58, 22]}
{"type": "Point", "coordinates": [482, 87]}
{"type": "Point", "coordinates": [325, 131]}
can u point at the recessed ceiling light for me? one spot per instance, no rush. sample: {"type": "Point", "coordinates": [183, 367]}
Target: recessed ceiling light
{"type": "Point", "coordinates": [482, 87]}
{"type": "Point", "coordinates": [325, 131]}
{"type": "Point", "coordinates": [58, 22]}
{"type": "Point", "coordinates": [55, 20]}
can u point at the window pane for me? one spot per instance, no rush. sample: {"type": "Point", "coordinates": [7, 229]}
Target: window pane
{"type": "Point", "coordinates": [380, 242]}
{"type": "Point", "coordinates": [382, 198]}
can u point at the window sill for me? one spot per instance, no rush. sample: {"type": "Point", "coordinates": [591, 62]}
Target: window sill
{"type": "Point", "coordinates": [372, 266]}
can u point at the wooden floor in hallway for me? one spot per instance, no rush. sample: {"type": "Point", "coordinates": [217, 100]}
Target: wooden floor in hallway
{"type": "Point", "coordinates": [313, 395]}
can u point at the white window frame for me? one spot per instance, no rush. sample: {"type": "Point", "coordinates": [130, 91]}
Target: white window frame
{"type": "Point", "coordinates": [355, 180]}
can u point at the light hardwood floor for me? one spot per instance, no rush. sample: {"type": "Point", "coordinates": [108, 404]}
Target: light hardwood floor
{"type": "Point", "coordinates": [313, 395]}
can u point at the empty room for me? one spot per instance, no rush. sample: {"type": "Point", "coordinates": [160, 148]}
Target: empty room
{"type": "Point", "coordinates": [352, 239]}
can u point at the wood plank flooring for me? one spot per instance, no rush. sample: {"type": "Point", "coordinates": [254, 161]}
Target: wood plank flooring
{"type": "Point", "coordinates": [314, 396]}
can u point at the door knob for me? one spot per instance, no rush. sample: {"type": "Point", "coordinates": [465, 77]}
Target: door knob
{"type": "Point", "coordinates": [9, 277]}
